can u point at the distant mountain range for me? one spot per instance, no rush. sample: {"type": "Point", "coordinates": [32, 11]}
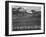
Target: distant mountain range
{"type": "Point", "coordinates": [23, 12]}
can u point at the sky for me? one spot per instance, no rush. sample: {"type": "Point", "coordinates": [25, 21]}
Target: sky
{"type": "Point", "coordinates": [29, 7]}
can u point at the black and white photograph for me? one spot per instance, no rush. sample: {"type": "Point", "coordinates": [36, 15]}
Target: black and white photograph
{"type": "Point", "coordinates": [25, 18]}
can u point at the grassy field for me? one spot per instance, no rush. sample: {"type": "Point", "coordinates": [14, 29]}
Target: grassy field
{"type": "Point", "coordinates": [27, 22]}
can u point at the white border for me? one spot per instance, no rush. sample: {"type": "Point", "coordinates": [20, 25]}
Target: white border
{"type": "Point", "coordinates": [24, 32]}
